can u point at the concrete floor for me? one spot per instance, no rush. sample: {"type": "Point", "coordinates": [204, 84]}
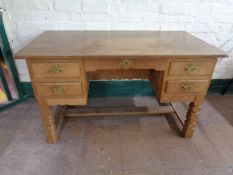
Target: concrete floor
{"type": "Point", "coordinates": [118, 145]}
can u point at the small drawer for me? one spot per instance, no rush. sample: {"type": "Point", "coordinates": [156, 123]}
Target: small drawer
{"type": "Point", "coordinates": [55, 70]}
{"type": "Point", "coordinates": [191, 68]}
{"type": "Point", "coordinates": [187, 86]}
{"type": "Point", "coordinates": [58, 89]}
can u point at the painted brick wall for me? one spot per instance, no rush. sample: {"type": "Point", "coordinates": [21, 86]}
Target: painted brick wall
{"type": "Point", "coordinates": [210, 20]}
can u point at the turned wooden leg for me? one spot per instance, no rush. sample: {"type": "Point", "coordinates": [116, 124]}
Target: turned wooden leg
{"type": "Point", "coordinates": [192, 117]}
{"type": "Point", "coordinates": [48, 122]}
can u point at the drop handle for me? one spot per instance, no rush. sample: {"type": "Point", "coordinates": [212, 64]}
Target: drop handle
{"type": "Point", "coordinates": [56, 69]}
{"type": "Point", "coordinates": [187, 87]}
{"type": "Point", "coordinates": [58, 89]}
{"type": "Point", "coordinates": [191, 68]}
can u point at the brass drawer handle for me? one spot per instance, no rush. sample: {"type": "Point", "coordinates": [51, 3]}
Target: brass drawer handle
{"type": "Point", "coordinates": [126, 63]}
{"type": "Point", "coordinates": [191, 68]}
{"type": "Point", "coordinates": [56, 69]}
{"type": "Point", "coordinates": [58, 89]}
{"type": "Point", "coordinates": [187, 87]}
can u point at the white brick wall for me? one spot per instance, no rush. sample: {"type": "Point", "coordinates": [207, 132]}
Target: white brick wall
{"type": "Point", "coordinates": [210, 20]}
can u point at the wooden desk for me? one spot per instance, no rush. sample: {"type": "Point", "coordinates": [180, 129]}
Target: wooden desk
{"type": "Point", "coordinates": [61, 63]}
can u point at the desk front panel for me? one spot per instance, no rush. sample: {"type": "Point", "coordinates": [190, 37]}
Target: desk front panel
{"type": "Point", "coordinates": [173, 80]}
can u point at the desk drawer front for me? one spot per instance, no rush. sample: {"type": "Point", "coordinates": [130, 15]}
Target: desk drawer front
{"type": "Point", "coordinates": [124, 63]}
{"type": "Point", "coordinates": [187, 86]}
{"type": "Point", "coordinates": [58, 89]}
{"type": "Point", "coordinates": [191, 68]}
{"type": "Point", "coordinates": [55, 70]}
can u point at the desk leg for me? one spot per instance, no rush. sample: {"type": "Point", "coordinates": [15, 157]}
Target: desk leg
{"type": "Point", "coordinates": [192, 117]}
{"type": "Point", "coordinates": [48, 121]}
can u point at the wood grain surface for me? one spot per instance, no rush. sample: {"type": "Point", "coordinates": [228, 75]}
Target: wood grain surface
{"type": "Point", "coordinates": [107, 44]}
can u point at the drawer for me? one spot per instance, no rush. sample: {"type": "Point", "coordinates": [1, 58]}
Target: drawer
{"type": "Point", "coordinates": [124, 63]}
{"type": "Point", "coordinates": [55, 70]}
{"type": "Point", "coordinates": [191, 68]}
{"type": "Point", "coordinates": [58, 89]}
{"type": "Point", "coordinates": [187, 86]}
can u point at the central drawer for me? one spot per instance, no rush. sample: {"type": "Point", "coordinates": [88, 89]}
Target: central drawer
{"type": "Point", "coordinates": [95, 64]}
{"type": "Point", "coordinates": [58, 89]}
{"type": "Point", "coordinates": [45, 70]}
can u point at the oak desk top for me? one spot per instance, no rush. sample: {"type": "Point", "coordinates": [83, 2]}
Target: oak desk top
{"type": "Point", "coordinates": [110, 44]}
